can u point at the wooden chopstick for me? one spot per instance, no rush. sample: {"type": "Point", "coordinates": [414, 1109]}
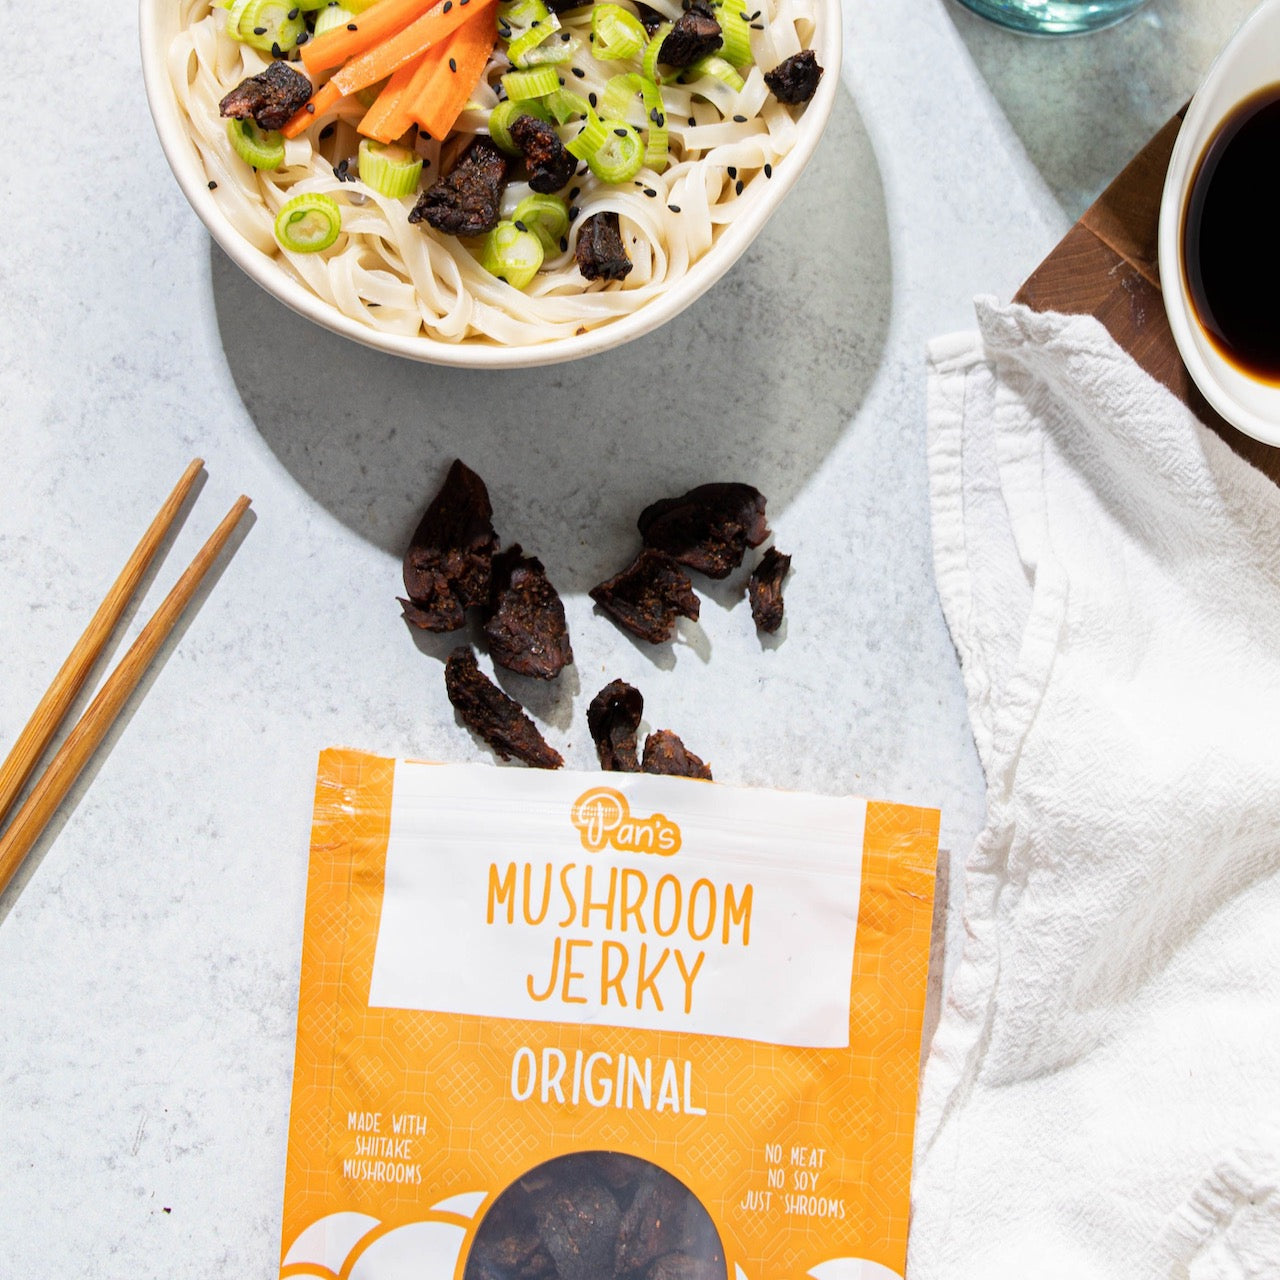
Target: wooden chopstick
{"type": "Point", "coordinates": [55, 704]}
{"type": "Point", "coordinates": [74, 753]}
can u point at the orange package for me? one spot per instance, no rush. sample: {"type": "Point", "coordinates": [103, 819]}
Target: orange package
{"type": "Point", "coordinates": [572, 1026]}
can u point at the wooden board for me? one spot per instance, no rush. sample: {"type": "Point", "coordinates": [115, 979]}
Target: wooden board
{"type": "Point", "coordinates": [1108, 266]}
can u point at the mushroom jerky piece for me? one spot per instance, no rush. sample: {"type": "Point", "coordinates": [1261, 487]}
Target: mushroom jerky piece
{"type": "Point", "coordinates": [648, 596]}
{"type": "Point", "coordinates": [271, 97]}
{"type": "Point", "coordinates": [764, 589]}
{"type": "Point", "coordinates": [709, 528]}
{"type": "Point", "coordinates": [509, 1247]}
{"type": "Point", "coordinates": [653, 1224]}
{"type": "Point", "coordinates": [614, 720]}
{"type": "Point", "coordinates": [525, 623]}
{"type": "Point", "coordinates": [548, 160]}
{"type": "Point", "coordinates": [447, 566]}
{"type": "Point", "coordinates": [685, 1266]}
{"type": "Point", "coordinates": [695, 34]}
{"type": "Point", "coordinates": [578, 1219]}
{"type": "Point", "coordinates": [796, 78]}
{"type": "Point", "coordinates": [665, 753]}
{"type": "Point", "coordinates": [600, 253]}
{"type": "Point", "coordinates": [490, 714]}
{"type": "Point", "coordinates": [468, 200]}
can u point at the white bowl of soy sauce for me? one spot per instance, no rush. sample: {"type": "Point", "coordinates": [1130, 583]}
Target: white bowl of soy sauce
{"type": "Point", "coordinates": [1219, 238]}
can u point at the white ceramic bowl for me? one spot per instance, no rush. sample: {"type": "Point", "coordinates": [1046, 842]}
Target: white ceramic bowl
{"type": "Point", "coordinates": [158, 21]}
{"type": "Point", "coordinates": [1250, 61]}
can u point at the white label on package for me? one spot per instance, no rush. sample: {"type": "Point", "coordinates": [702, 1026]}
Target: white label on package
{"type": "Point", "coordinates": [624, 900]}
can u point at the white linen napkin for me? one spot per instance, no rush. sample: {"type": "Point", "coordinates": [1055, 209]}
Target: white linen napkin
{"type": "Point", "coordinates": [1102, 1095]}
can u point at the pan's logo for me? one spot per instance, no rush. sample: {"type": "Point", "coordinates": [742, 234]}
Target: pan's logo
{"type": "Point", "coordinates": [604, 820]}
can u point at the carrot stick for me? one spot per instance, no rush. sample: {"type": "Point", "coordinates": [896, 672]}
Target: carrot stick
{"type": "Point", "coordinates": [380, 61]}
{"type": "Point", "coordinates": [458, 67]}
{"type": "Point", "coordinates": [324, 99]}
{"type": "Point", "coordinates": [385, 121]}
{"type": "Point", "coordinates": [373, 26]}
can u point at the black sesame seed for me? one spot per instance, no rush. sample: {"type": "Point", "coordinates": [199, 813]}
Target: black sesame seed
{"type": "Point", "coordinates": [303, 38]}
{"type": "Point", "coordinates": [213, 186]}
{"type": "Point", "coordinates": [731, 171]}
{"type": "Point", "coordinates": [261, 31]}
{"type": "Point", "coordinates": [622, 133]}
{"type": "Point", "coordinates": [292, 15]}
{"type": "Point", "coordinates": [768, 171]}
{"type": "Point", "coordinates": [578, 71]}
{"type": "Point", "coordinates": [277, 51]}
{"type": "Point", "coordinates": [453, 64]}
{"type": "Point", "coordinates": [692, 122]}
{"type": "Point", "coordinates": [520, 225]}
{"type": "Point", "coordinates": [675, 208]}
{"type": "Point", "coordinates": [737, 186]}
{"type": "Point", "coordinates": [573, 212]}
{"type": "Point", "coordinates": [757, 26]}
{"type": "Point", "coordinates": [591, 98]}
{"type": "Point", "coordinates": [351, 26]}
{"type": "Point", "coordinates": [327, 132]}
{"type": "Point", "coordinates": [565, 37]}
{"type": "Point", "coordinates": [311, 108]}
{"type": "Point", "coordinates": [574, 192]}
{"type": "Point", "coordinates": [448, 4]}
{"type": "Point", "coordinates": [564, 244]}
{"type": "Point", "coordinates": [650, 192]}
{"type": "Point", "coordinates": [739, 119]}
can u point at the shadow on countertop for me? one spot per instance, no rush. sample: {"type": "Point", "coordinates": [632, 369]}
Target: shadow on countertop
{"type": "Point", "coordinates": [1084, 105]}
{"type": "Point", "coordinates": [755, 382]}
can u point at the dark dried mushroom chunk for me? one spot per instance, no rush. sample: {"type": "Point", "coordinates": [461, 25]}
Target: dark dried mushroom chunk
{"type": "Point", "coordinates": [614, 720]}
{"type": "Point", "coordinates": [653, 1224]}
{"type": "Point", "coordinates": [490, 714]}
{"type": "Point", "coordinates": [695, 34]}
{"type": "Point", "coordinates": [648, 596]}
{"type": "Point", "coordinates": [577, 1218]}
{"type": "Point", "coordinates": [665, 753]}
{"type": "Point", "coordinates": [270, 98]}
{"type": "Point", "coordinates": [764, 589]}
{"type": "Point", "coordinates": [525, 624]}
{"type": "Point", "coordinates": [447, 566]}
{"type": "Point", "coordinates": [795, 79]}
{"type": "Point", "coordinates": [709, 528]}
{"type": "Point", "coordinates": [549, 163]}
{"type": "Point", "coordinates": [685, 1266]}
{"type": "Point", "coordinates": [600, 253]}
{"type": "Point", "coordinates": [467, 201]}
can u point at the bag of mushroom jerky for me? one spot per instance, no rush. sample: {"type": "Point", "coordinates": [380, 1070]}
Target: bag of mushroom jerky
{"type": "Point", "coordinates": [586, 1026]}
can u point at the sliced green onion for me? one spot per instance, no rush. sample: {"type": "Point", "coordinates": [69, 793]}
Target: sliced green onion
{"type": "Point", "coordinates": [649, 63]}
{"type": "Point", "coordinates": [511, 254]}
{"type": "Point", "coordinates": [536, 83]}
{"type": "Point", "coordinates": [390, 170]}
{"type": "Point", "coordinates": [267, 25]}
{"type": "Point", "coordinates": [331, 16]}
{"type": "Point", "coordinates": [552, 53]}
{"type": "Point", "coordinates": [518, 15]}
{"type": "Point", "coordinates": [618, 33]}
{"type": "Point", "coordinates": [505, 114]}
{"type": "Point", "coordinates": [565, 105]}
{"type": "Point", "coordinates": [309, 223]}
{"type": "Point", "coordinates": [619, 157]}
{"type": "Point", "coordinates": [620, 100]}
{"type": "Point", "coordinates": [546, 216]}
{"type": "Point", "coordinates": [735, 32]}
{"type": "Point", "coordinates": [530, 38]}
{"type": "Point", "coordinates": [717, 68]}
{"type": "Point", "coordinates": [258, 147]}
{"type": "Point", "coordinates": [311, 5]}
{"type": "Point", "coordinates": [589, 141]}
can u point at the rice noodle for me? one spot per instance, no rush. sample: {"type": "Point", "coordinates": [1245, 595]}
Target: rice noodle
{"type": "Point", "coordinates": [407, 279]}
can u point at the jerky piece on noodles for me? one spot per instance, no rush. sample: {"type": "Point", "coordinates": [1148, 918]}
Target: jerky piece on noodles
{"type": "Point", "coordinates": [272, 97]}
{"type": "Point", "coordinates": [653, 1223]}
{"type": "Point", "coordinates": [665, 753]}
{"type": "Point", "coordinates": [648, 596]}
{"type": "Point", "coordinates": [765, 589]}
{"type": "Point", "coordinates": [467, 201]}
{"type": "Point", "coordinates": [695, 34]}
{"type": "Point", "coordinates": [709, 528]}
{"type": "Point", "coordinates": [549, 162]}
{"type": "Point", "coordinates": [578, 1220]}
{"type": "Point", "coordinates": [525, 625]}
{"type": "Point", "coordinates": [795, 79]}
{"type": "Point", "coordinates": [448, 562]}
{"type": "Point", "coordinates": [600, 253]}
{"type": "Point", "coordinates": [490, 714]}
{"type": "Point", "coordinates": [614, 719]}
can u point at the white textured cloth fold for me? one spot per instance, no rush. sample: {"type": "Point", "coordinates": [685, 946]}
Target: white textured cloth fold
{"type": "Point", "coordinates": [1102, 1095]}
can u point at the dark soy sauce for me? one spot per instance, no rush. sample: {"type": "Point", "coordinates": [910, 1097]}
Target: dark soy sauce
{"type": "Point", "coordinates": [1231, 237]}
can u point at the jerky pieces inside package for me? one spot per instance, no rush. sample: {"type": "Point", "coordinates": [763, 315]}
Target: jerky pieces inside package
{"type": "Point", "coordinates": [550, 1029]}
